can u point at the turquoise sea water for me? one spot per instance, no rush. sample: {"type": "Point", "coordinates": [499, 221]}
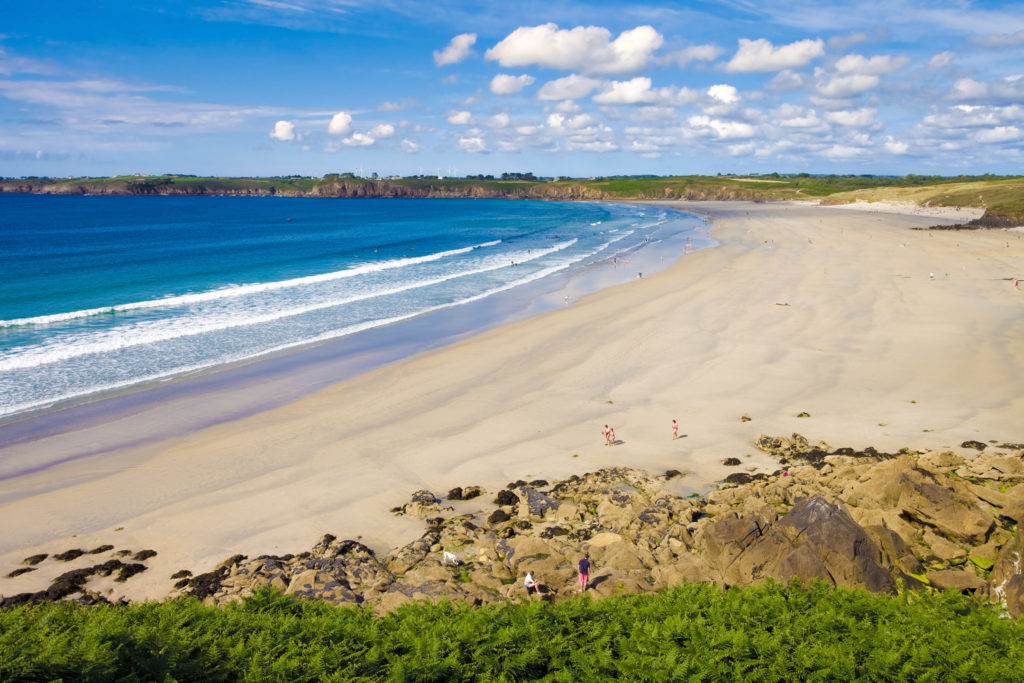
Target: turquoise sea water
{"type": "Point", "coordinates": [99, 293]}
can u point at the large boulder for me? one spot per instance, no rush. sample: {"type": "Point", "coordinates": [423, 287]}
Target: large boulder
{"type": "Point", "coordinates": [956, 579]}
{"type": "Point", "coordinates": [953, 516]}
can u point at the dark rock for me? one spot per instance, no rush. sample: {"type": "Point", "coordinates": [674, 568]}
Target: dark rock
{"type": "Point", "coordinates": [204, 585]}
{"type": "Point", "coordinates": [122, 553]}
{"type": "Point", "coordinates": [803, 414]}
{"type": "Point", "coordinates": [231, 561]}
{"type": "Point", "coordinates": [539, 504]}
{"type": "Point", "coordinates": [69, 555]}
{"type": "Point", "coordinates": [732, 462]}
{"type": "Point", "coordinates": [672, 474]}
{"type": "Point", "coordinates": [68, 583]}
{"type": "Point", "coordinates": [1012, 446]}
{"type": "Point", "coordinates": [738, 478]}
{"type": "Point", "coordinates": [539, 483]}
{"type": "Point", "coordinates": [101, 549]}
{"type": "Point", "coordinates": [471, 492]}
{"type": "Point", "coordinates": [745, 418]}
{"type": "Point", "coordinates": [455, 493]}
{"type": "Point", "coordinates": [181, 574]}
{"type": "Point", "coordinates": [523, 524]}
{"type": "Point", "coordinates": [506, 497]}
{"type": "Point", "coordinates": [844, 451]}
{"type": "Point", "coordinates": [424, 498]}
{"type": "Point", "coordinates": [976, 445]}
{"type": "Point", "coordinates": [20, 571]}
{"type": "Point", "coordinates": [35, 559]}
{"type": "Point", "coordinates": [23, 599]}
{"type": "Point", "coordinates": [434, 522]}
{"type": "Point", "coordinates": [469, 526]}
{"type": "Point", "coordinates": [498, 516]}
{"type": "Point", "coordinates": [515, 484]}
{"type": "Point", "coordinates": [144, 555]}
{"type": "Point", "coordinates": [108, 567]}
{"type": "Point", "coordinates": [553, 531]}
{"type": "Point", "coordinates": [129, 570]}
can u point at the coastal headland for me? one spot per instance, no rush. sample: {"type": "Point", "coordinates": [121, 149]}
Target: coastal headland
{"type": "Point", "coordinates": [844, 325]}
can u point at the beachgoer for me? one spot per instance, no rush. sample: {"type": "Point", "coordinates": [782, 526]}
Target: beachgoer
{"type": "Point", "coordinates": [584, 573]}
{"type": "Point", "coordinates": [611, 436]}
{"type": "Point", "coordinates": [531, 584]}
{"type": "Point", "coordinates": [605, 431]}
{"type": "Point", "coordinates": [675, 429]}
{"type": "Point", "coordinates": [566, 298]}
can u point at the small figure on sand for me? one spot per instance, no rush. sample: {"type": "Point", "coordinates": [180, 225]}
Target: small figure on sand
{"type": "Point", "coordinates": [611, 436]}
{"type": "Point", "coordinates": [675, 430]}
{"type": "Point", "coordinates": [531, 584]}
{"type": "Point", "coordinates": [584, 576]}
{"type": "Point", "coordinates": [607, 431]}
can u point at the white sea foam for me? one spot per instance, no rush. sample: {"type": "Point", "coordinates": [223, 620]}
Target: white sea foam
{"type": "Point", "coordinates": [156, 331]}
{"type": "Point", "coordinates": [242, 290]}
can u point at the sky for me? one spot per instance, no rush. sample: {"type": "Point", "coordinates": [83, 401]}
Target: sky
{"type": "Point", "coordinates": [556, 88]}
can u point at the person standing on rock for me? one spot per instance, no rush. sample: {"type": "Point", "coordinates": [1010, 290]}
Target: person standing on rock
{"type": "Point", "coordinates": [584, 573]}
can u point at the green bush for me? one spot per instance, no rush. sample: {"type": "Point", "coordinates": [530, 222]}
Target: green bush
{"type": "Point", "coordinates": [770, 632]}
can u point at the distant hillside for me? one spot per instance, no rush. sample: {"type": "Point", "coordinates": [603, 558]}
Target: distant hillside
{"type": "Point", "coordinates": [1001, 197]}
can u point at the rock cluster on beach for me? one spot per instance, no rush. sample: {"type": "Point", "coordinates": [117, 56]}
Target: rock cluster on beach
{"type": "Point", "coordinates": [878, 521]}
{"type": "Point", "coordinates": [862, 519]}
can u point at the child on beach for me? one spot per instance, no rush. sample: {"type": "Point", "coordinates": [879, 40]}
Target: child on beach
{"type": "Point", "coordinates": [611, 436]}
{"type": "Point", "coordinates": [607, 435]}
{"type": "Point", "coordinates": [675, 430]}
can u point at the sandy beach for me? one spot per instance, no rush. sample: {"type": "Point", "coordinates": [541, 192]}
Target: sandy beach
{"type": "Point", "coordinates": [885, 336]}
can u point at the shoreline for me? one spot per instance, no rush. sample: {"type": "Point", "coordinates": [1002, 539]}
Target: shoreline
{"type": "Point", "coordinates": [864, 332]}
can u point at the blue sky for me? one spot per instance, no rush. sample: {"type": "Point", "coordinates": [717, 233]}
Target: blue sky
{"type": "Point", "coordinates": [267, 87]}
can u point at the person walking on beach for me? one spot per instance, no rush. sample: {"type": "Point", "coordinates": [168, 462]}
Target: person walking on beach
{"type": "Point", "coordinates": [584, 575]}
{"type": "Point", "coordinates": [675, 430]}
{"type": "Point", "coordinates": [611, 436]}
{"type": "Point", "coordinates": [607, 435]}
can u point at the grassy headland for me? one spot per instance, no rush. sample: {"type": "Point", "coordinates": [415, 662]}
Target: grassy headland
{"type": "Point", "coordinates": [1002, 197]}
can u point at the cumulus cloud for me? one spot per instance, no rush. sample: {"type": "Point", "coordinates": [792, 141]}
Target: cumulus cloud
{"type": "Point", "coordinates": [384, 130]}
{"type": "Point", "coordinates": [723, 130]}
{"type": "Point", "coordinates": [842, 152]}
{"type": "Point", "coordinates": [409, 146]}
{"type": "Point", "coordinates": [341, 124]}
{"type": "Point", "coordinates": [498, 120]}
{"type": "Point", "coordinates": [793, 116]}
{"type": "Point", "coordinates": [761, 55]}
{"type": "Point", "coordinates": [942, 59]}
{"type": "Point", "coordinates": [786, 80]}
{"type": "Point", "coordinates": [457, 50]}
{"type": "Point", "coordinates": [472, 144]}
{"type": "Point", "coordinates": [460, 118]}
{"type": "Point", "coordinates": [570, 87]}
{"type": "Point", "coordinates": [893, 146]}
{"type": "Point", "coordinates": [284, 131]}
{"type": "Point", "coordinates": [589, 49]}
{"type": "Point", "coordinates": [843, 42]}
{"type": "Point", "coordinates": [359, 140]}
{"type": "Point", "coordinates": [726, 94]}
{"type": "Point", "coordinates": [848, 86]}
{"type": "Point", "coordinates": [875, 66]}
{"type": "Point", "coordinates": [626, 92]}
{"type": "Point", "coordinates": [573, 122]}
{"type": "Point", "coordinates": [998, 134]}
{"type": "Point", "coordinates": [858, 118]}
{"type": "Point", "coordinates": [504, 84]}
{"type": "Point", "coordinates": [694, 53]}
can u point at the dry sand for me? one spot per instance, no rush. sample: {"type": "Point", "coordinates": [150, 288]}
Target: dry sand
{"type": "Point", "coordinates": [802, 308]}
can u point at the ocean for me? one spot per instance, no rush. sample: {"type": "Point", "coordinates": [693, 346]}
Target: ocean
{"type": "Point", "coordinates": [106, 293]}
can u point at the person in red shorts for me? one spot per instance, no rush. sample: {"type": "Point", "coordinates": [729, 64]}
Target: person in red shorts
{"type": "Point", "coordinates": [584, 573]}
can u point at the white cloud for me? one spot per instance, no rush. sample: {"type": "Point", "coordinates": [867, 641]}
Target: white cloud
{"type": "Point", "coordinates": [842, 152]}
{"type": "Point", "coordinates": [968, 88]}
{"type": "Point", "coordinates": [384, 130]}
{"type": "Point", "coordinates": [592, 146]}
{"type": "Point", "coordinates": [893, 146]}
{"type": "Point", "coordinates": [843, 42]}
{"type": "Point", "coordinates": [359, 140]}
{"type": "Point", "coordinates": [726, 94]}
{"type": "Point", "coordinates": [941, 59]}
{"type": "Point", "coordinates": [875, 66]}
{"type": "Point", "coordinates": [589, 49]}
{"type": "Point", "coordinates": [761, 55]}
{"type": "Point", "coordinates": [694, 53]}
{"type": "Point", "coordinates": [999, 134]}
{"type": "Point", "coordinates": [457, 50]}
{"type": "Point", "coordinates": [409, 146]}
{"type": "Point", "coordinates": [504, 84]}
{"type": "Point", "coordinates": [723, 130]}
{"type": "Point", "coordinates": [472, 144]}
{"type": "Point", "coordinates": [283, 130]}
{"type": "Point", "coordinates": [498, 120]}
{"type": "Point", "coordinates": [858, 118]}
{"type": "Point", "coordinates": [570, 87]}
{"type": "Point", "coordinates": [528, 130]}
{"type": "Point", "coordinates": [626, 92]}
{"type": "Point", "coordinates": [1003, 39]}
{"type": "Point", "coordinates": [847, 86]}
{"type": "Point", "coordinates": [389, 106]}
{"type": "Point", "coordinates": [341, 124]}
{"type": "Point", "coordinates": [567, 107]}
{"type": "Point", "coordinates": [460, 118]}
{"type": "Point", "coordinates": [793, 116]}
{"type": "Point", "coordinates": [575, 122]}
{"type": "Point", "coordinates": [786, 80]}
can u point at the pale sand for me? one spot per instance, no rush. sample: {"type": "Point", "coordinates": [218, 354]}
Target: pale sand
{"type": "Point", "coordinates": [865, 334]}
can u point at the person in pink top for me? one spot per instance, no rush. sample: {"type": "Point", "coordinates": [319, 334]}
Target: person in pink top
{"type": "Point", "coordinates": [675, 429]}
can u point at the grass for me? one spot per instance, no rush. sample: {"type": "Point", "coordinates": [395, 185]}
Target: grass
{"type": "Point", "coordinates": [769, 632]}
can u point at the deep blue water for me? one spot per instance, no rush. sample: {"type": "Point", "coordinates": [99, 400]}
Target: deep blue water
{"type": "Point", "coordinates": [98, 293]}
